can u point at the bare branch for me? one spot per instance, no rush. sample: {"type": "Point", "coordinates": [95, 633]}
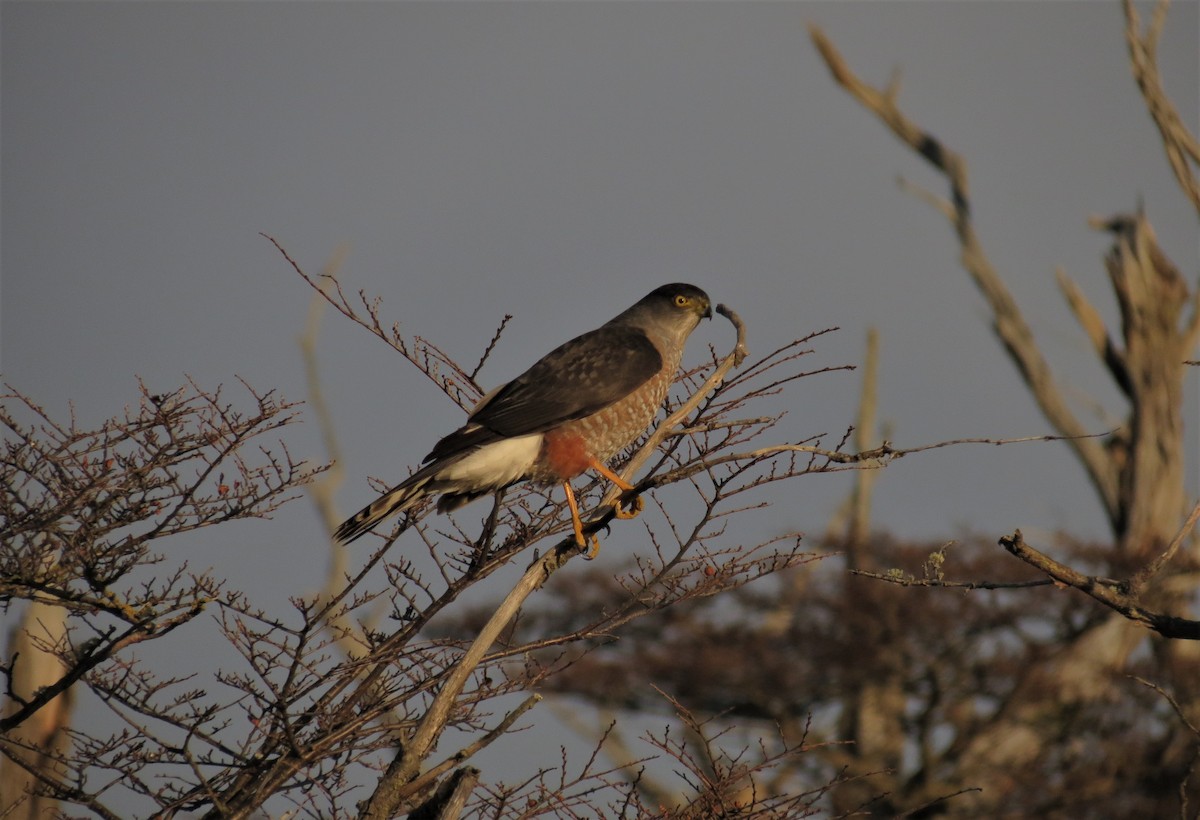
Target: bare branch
{"type": "Point", "coordinates": [470, 749]}
{"type": "Point", "coordinates": [905, 580]}
{"type": "Point", "coordinates": [1102, 341]}
{"type": "Point", "coordinates": [451, 796]}
{"type": "Point", "coordinates": [1169, 698]}
{"type": "Point", "coordinates": [1182, 149]}
{"type": "Point", "coordinates": [435, 364]}
{"type": "Point", "coordinates": [1154, 567]}
{"type": "Point", "coordinates": [1112, 594]}
{"type": "Point", "coordinates": [487, 351]}
{"type": "Point", "coordinates": [1008, 322]}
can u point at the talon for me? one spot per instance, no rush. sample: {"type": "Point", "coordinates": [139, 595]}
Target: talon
{"type": "Point", "coordinates": [635, 507]}
{"type": "Point", "coordinates": [594, 550]}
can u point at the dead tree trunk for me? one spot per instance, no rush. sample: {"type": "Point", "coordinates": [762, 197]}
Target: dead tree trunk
{"type": "Point", "coordinates": [1138, 473]}
{"type": "Point", "coordinates": [33, 747]}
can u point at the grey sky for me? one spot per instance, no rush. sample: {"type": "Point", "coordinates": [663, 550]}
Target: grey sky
{"type": "Point", "coordinates": [556, 161]}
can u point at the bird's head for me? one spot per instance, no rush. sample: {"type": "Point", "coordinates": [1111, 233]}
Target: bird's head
{"type": "Point", "coordinates": [672, 311]}
{"type": "Point", "coordinates": [680, 298]}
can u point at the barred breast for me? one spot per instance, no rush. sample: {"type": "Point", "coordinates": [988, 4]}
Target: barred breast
{"type": "Point", "coordinates": [567, 449]}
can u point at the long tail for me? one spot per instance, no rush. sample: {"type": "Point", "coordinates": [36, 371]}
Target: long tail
{"type": "Point", "coordinates": [396, 500]}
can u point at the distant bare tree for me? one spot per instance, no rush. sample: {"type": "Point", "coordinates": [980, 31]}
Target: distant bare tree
{"type": "Point", "coordinates": [1138, 472]}
{"type": "Point", "coordinates": [966, 675]}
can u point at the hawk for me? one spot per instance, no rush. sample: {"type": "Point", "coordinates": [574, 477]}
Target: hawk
{"type": "Point", "coordinates": [572, 411]}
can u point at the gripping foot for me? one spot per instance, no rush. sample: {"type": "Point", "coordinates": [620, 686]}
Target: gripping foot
{"type": "Point", "coordinates": [633, 510]}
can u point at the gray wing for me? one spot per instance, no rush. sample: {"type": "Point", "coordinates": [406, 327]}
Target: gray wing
{"type": "Point", "coordinates": [577, 379]}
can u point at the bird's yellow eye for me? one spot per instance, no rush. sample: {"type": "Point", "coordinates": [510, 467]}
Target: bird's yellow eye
{"type": "Point", "coordinates": [681, 300]}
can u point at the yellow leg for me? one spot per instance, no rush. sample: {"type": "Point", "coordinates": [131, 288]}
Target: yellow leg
{"type": "Point", "coordinates": [635, 506]}
{"type": "Point", "coordinates": [603, 470]}
{"type": "Point", "coordinates": [577, 524]}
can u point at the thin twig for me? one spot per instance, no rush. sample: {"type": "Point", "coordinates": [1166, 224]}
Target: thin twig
{"type": "Point", "coordinates": [1150, 570]}
{"type": "Point", "coordinates": [910, 581]}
